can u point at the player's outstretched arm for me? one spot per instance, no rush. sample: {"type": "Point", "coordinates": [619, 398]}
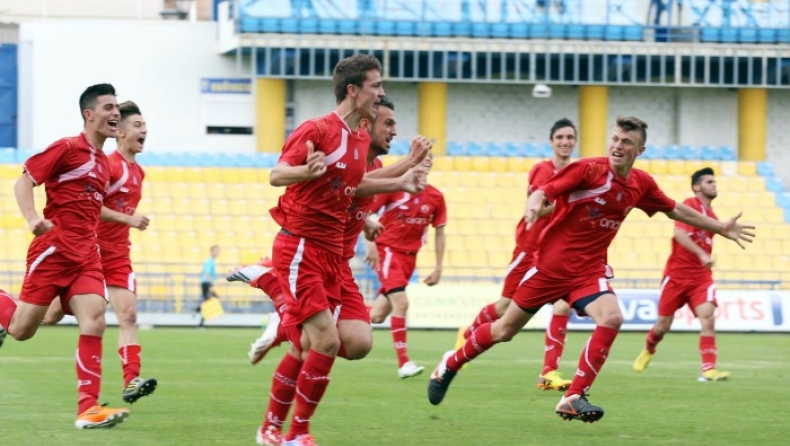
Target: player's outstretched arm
{"type": "Point", "coordinates": [730, 229]}
{"type": "Point", "coordinates": [315, 165]}
{"type": "Point", "coordinates": [372, 256]}
{"type": "Point", "coordinates": [373, 229]}
{"type": "Point", "coordinates": [23, 191]}
{"type": "Point", "coordinates": [412, 181]}
{"type": "Point", "coordinates": [686, 242]}
{"type": "Point", "coordinates": [436, 275]}
{"type": "Point", "coordinates": [135, 221]}
{"type": "Point", "coordinates": [535, 203]}
{"type": "Point", "coordinates": [420, 147]}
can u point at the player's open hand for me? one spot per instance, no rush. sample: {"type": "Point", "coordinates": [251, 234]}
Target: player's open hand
{"type": "Point", "coordinates": [414, 180]}
{"type": "Point", "coordinates": [316, 161]}
{"type": "Point", "coordinates": [420, 148]}
{"type": "Point", "coordinates": [372, 257]}
{"type": "Point", "coordinates": [373, 229]}
{"type": "Point", "coordinates": [39, 226]}
{"type": "Point", "coordinates": [139, 221]}
{"type": "Point", "coordinates": [706, 260]}
{"type": "Point", "coordinates": [737, 232]}
{"type": "Point", "coordinates": [433, 278]}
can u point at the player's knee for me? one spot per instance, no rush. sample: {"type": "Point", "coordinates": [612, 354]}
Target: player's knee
{"type": "Point", "coordinates": [357, 349]}
{"type": "Point", "coordinates": [612, 319]}
{"type": "Point", "coordinates": [128, 317]}
{"type": "Point", "coordinates": [52, 319]}
{"type": "Point", "coordinates": [501, 306]}
{"type": "Point", "coordinates": [93, 327]}
{"type": "Point", "coordinates": [23, 333]}
{"type": "Point", "coordinates": [376, 318]}
{"type": "Point", "coordinates": [503, 333]}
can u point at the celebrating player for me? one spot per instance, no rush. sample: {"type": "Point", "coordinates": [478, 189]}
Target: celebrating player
{"type": "Point", "coordinates": [63, 259]}
{"type": "Point", "coordinates": [688, 280]}
{"type": "Point", "coordinates": [406, 219]}
{"type": "Point", "coordinates": [592, 198]}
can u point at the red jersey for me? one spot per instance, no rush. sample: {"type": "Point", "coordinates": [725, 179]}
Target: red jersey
{"type": "Point", "coordinates": [75, 176]}
{"type": "Point", "coordinates": [357, 213]}
{"type": "Point", "coordinates": [527, 241]}
{"type": "Point", "coordinates": [682, 263]}
{"type": "Point", "coordinates": [123, 195]}
{"type": "Point", "coordinates": [406, 218]}
{"type": "Point", "coordinates": [318, 209]}
{"type": "Point", "coordinates": [591, 203]}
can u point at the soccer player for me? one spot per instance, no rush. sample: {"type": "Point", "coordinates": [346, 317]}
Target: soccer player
{"type": "Point", "coordinates": [322, 165]}
{"type": "Point", "coordinates": [63, 259]}
{"type": "Point", "coordinates": [688, 280]}
{"type": "Point", "coordinates": [117, 216]}
{"type": "Point", "coordinates": [562, 138]}
{"type": "Point", "coordinates": [406, 219]}
{"type": "Point", "coordinates": [592, 198]}
{"type": "Point", "coordinates": [208, 274]}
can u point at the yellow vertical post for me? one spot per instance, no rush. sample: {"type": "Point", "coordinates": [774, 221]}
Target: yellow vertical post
{"type": "Point", "coordinates": [269, 114]}
{"type": "Point", "coordinates": [432, 114]}
{"type": "Point", "coordinates": [752, 123]}
{"type": "Point", "coordinates": [593, 109]}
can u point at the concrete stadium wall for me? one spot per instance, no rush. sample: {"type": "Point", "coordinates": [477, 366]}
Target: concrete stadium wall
{"type": "Point", "coordinates": [778, 134]}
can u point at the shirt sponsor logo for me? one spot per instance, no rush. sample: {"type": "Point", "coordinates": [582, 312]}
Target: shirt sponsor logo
{"type": "Point", "coordinates": [417, 221]}
{"type": "Point", "coordinates": [600, 201]}
{"type": "Point", "coordinates": [610, 224]}
{"type": "Point", "coordinates": [340, 165]}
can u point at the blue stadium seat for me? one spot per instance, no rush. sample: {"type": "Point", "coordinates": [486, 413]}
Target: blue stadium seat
{"type": "Point", "coordinates": [546, 150]}
{"type": "Point", "coordinates": [249, 25]}
{"type": "Point", "coordinates": [765, 169]}
{"type": "Point", "coordinates": [500, 30]}
{"type": "Point", "coordinates": [595, 32]}
{"type": "Point", "coordinates": [710, 35]}
{"type": "Point", "coordinates": [671, 152]}
{"type": "Point", "coordinates": [783, 35]}
{"type": "Point", "coordinates": [729, 35]}
{"type": "Point", "coordinates": [727, 153]}
{"type": "Point", "coordinates": [531, 150]}
{"type": "Point", "coordinates": [385, 28]}
{"type": "Point", "coordinates": [709, 153]}
{"type": "Point", "coordinates": [783, 199]}
{"type": "Point", "coordinates": [514, 150]}
{"type": "Point", "coordinates": [633, 33]}
{"type": "Point", "coordinates": [308, 26]}
{"type": "Point", "coordinates": [747, 35]}
{"type": "Point", "coordinates": [474, 149]}
{"type": "Point", "coordinates": [265, 160]}
{"type": "Point", "coordinates": [787, 215]}
{"type": "Point", "coordinates": [615, 32]}
{"type": "Point", "coordinates": [689, 153]}
{"type": "Point", "coordinates": [326, 26]}
{"type": "Point", "coordinates": [538, 31]}
{"type": "Point", "coordinates": [576, 32]}
{"type": "Point", "coordinates": [455, 148]}
{"type": "Point", "coordinates": [7, 156]}
{"type": "Point", "coordinates": [23, 154]}
{"type": "Point", "coordinates": [424, 29]}
{"type": "Point", "coordinates": [462, 29]}
{"type": "Point", "coordinates": [518, 31]}
{"type": "Point", "coordinates": [403, 28]}
{"type": "Point", "coordinates": [442, 29]}
{"type": "Point", "coordinates": [207, 160]}
{"type": "Point", "coordinates": [481, 30]}
{"type": "Point", "coordinates": [243, 160]}
{"type": "Point", "coordinates": [347, 26]}
{"type": "Point", "coordinates": [766, 35]}
{"type": "Point", "coordinates": [269, 25]}
{"type": "Point", "coordinates": [399, 147]}
{"type": "Point", "coordinates": [652, 152]}
{"type": "Point", "coordinates": [495, 149]}
{"type": "Point", "coordinates": [558, 31]}
{"type": "Point", "coordinates": [774, 184]}
{"type": "Point", "coordinates": [366, 27]}
{"type": "Point", "coordinates": [290, 26]}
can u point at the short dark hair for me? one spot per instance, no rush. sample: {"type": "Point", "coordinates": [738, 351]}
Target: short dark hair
{"type": "Point", "coordinates": [352, 71]}
{"type": "Point", "coordinates": [89, 96]}
{"type": "Point", "coordinates": [561, 124]}
{"type": "Point", "coordinates": [385, 102]}
{"type": "Point", "coordinates": [630, 123]}
{"type": "Point", "coordinates": [127, 109]}
{"type": "Point", "coordinates": [696, 177]}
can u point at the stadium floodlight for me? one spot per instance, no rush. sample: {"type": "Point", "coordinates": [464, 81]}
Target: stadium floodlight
{"type": "Point", "coordinates": [541, 91]}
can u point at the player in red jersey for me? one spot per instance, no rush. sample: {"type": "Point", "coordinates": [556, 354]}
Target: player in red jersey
{"type": "Point", "coordinates": [63, 259]}
{"type": "Point", "coordinates": [562, 138]}
{"type": "Point", "coordinates": [117, 216]}
{"type": "Point", "coordinates": [592, 198]}
{"type": "Point", "coordinates": [393, 255]}
{"type": "Point", "coordinates": [688, 280]}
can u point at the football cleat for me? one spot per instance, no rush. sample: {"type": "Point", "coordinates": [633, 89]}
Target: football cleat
{"type": "Point", "coordinates": [440, 380]}
{"type": "Point", "coordinates": [553, 380]}
{"type": "Point", "coordinates": [713, 375]}
{"type": "Point", "coordinates": [576, 407]}
{"type": "Point", "coordinates": [3, 334]}
{"type": "Point", "coordinates": [138, 388]}
{"type": "Point", "coordinates": [301, 440]}
{"type": "Point", "coordinates": [269, 436]}
{"type": "Point", "coordinates": [267, 341]}
{"type": "Point", "coordinates": [250, 273]}
{"type": "Point", "coordinates": [641, 362]}
{"type": "Point", "coordinates": [101, 417]}
{"type": "Point", "coordinates": [409, 369]}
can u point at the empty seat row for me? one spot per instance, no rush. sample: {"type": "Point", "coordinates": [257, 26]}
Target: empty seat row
{"type": "Point", "coordinates": [745, 35]}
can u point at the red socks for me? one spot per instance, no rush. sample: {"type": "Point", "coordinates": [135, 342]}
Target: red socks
{"type": "Point", "coordinates": [652, 341]}
{"type": "Point", "coordinates": [487, 315]}
{"type": "Point", "coordinates": [269, 284]}
{"type": "Point", "coordinates": [398, 330]}
{"type": "Point", "coordinates": [555, 343]}
{"type": "Point", "coordinates": [707, 349]}
{"type": "Point", "coordinates": [130, 362]}
{"type": "Point", "coordinates": [89, 352]}
{"type": "Point", "coordinates": [310, 387]}
{"type": "Point", "coordinates": [592, 359]}
{"type": "Point", "coordinates": [479, 341]}
{"type": "Point", "coordinates": [283, 390]}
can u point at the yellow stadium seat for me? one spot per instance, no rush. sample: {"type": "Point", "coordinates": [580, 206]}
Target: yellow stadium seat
{"type": "Point", "coordinates": [182, 206]}
{"type": "Point", "coordinates": [462, 163]}
{"type": "Point", "coordinates": [212, 174]}
{"type": "Point", "coordinates": [467, 226]}
{"type": "Point", "coordinates": [179, 190]}
{"type": "Point", "coordinates": [219, 207]}
{"type": "Point", "coordinates": [499, 164]}
{"type": "Point", "coordinates": [156, 173]}
{"type": "Point", "coordinates": [247, 175]}
{"type": "Point", "coordinates": [442, 163]}
{"type": "Point", "coordinates": [692, 166]}
{"type": "Point", "coordinates": [773, 215]}
{"type": "Point", "coordinates": [658, 167]}
{"type": "Point", "coordinates": [162, 206]}
{"type": "Point", "coordinates": [389, 160]}
{"type": "Point", "coordinates": [676, 167]}
{"type": "Point", "coordinates": [747, 168]}
{"type": "Point", "coordinates": [755, 183]}
{"type": "Point", "coordinates": [519, 165]}
{"type": "Point", "coordinates": [239, 207]}
{"type": "Point", "coordinates": [729, 168]}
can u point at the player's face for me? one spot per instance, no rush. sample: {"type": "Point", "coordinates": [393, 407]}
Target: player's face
{"type": "Point", "coordinates": [564, 141]}
{"type": "Point", "coordinates": [427, 163]}
{"type": "Point", "coordinates": [624, 147]}
{"type": "Point", "coordinates": [371, 91]}
{"type": "Point", "coordinates": [383, 131]}
{"type": "Point", "coordinates": [132, 133]}
{"type": "Point", "coordinates": [707, 186]}
{"type": "Point", "coordinates": [104, 116]}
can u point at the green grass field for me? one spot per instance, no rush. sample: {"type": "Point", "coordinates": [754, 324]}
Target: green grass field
{"type": "Point", "coordinates": [209, 395]}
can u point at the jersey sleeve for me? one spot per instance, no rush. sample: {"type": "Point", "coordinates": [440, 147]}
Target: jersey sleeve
{"type": "Point", "coordinates": [45, 165]}
{"type": "Point", "coordinates": [574, 176]}
{"type": "Point", "coordinates": [538, 176]}
{"type": "Point", "coordinates": [653, 198]}
{"type": "Point", "coordinates": [440, 217]}
{"type": "Point", "coordinates": [295, 149]}
{"type": "Point", "coordinates": [693, 204]}
{"type": "Point", "coordinates": [379, 202]}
